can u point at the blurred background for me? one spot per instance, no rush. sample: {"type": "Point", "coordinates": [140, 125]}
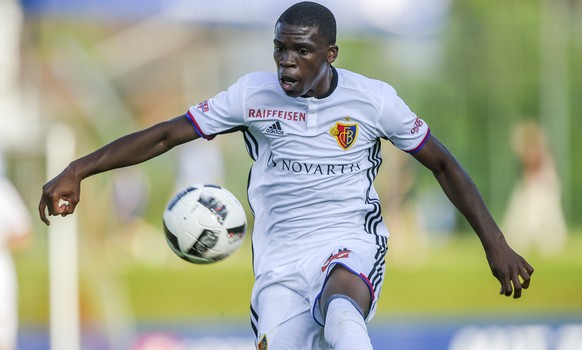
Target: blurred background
{"type": "Point", "coordinates": [498, 82]}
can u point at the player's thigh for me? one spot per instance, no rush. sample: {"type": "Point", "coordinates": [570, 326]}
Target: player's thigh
{"type": "Point", "coordinates": [282, 320]}
{"type": "Point", "coordinates": [342, 281]}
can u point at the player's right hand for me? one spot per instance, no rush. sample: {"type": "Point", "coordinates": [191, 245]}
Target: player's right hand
{"type": "Point", "coordinates": [512, 271]}
{"type": "Point", "coordinates": [59, 196]}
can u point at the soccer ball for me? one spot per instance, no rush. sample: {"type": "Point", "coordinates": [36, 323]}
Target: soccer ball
{"type": "Point", "coordinates": [204, 224]}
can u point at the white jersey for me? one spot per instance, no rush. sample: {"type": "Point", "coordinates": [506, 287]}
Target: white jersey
{"type": "Point", "coordinates": [315, 159]}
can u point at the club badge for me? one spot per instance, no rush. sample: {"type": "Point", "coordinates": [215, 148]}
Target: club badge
{"type": "Point", "coordinates": [344, 133]}
{"type": "Point", "coordinates": [262, 344]}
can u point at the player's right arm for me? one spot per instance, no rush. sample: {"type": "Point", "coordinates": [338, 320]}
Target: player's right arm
{"type": "Point", "coordinates": [61, 194]}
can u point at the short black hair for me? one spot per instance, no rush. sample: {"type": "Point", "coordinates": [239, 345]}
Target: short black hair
{"type": "Point", "coordinates": [312, 14]}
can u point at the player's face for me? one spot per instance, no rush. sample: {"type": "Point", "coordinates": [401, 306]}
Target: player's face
{"type": "Point", "coordinates": [303, 60]}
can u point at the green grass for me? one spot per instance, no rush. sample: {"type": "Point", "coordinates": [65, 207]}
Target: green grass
{"type": "Point", "coordinates": [456, 280]}
{"type": "Point", "coordinates": [453, 280]}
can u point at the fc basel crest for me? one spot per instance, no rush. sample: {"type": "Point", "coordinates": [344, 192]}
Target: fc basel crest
{"type": "Point", "coordinates": [262, 344]}
{"type": "Point", "coordinates": [345, 134]}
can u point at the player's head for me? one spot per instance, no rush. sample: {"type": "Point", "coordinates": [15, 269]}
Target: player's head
{"type": "Point", "coordinates": [304, 48]}
{"type": "Point", "coordinates": [314, 15]}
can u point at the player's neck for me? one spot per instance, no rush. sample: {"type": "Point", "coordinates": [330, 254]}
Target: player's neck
{"type": "Point", "coordinates": [332, 77]}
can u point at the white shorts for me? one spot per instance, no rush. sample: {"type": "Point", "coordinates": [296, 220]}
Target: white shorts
{"type": "Point", "coordinates": [285, 300]}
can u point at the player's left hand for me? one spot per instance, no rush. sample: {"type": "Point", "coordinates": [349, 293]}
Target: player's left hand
{"type": "Point", "coordinates": [512, 271]}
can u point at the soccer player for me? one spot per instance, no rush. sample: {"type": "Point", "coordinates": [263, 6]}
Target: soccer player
{"type": "Point", "coordinates": [313, 131]}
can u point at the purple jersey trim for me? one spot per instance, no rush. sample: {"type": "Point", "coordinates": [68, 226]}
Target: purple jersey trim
{"type": "Point", "coordinates": [197, 127]}
{"type": "Point", "coordinates": [421, 145]}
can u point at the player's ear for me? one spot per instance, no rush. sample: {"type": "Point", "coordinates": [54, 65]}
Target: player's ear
{"type": "Point", "coordinates": [332, 53]}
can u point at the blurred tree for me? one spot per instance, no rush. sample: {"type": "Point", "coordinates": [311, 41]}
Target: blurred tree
{"type": "Point", "coordinates": [500, 64]}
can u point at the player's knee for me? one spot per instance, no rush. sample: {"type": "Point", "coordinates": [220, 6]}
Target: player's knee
{"type": "Point", "coordinates": [334, 297]}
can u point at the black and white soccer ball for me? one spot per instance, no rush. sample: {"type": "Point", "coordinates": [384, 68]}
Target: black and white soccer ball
{"type": "Point", "coordinates": [204, 224]}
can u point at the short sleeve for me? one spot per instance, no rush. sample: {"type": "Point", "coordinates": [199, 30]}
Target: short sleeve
{"type": "Point", "coordinates": [400, 125]}
{"type": "Point", "coordinates": [221, 113]}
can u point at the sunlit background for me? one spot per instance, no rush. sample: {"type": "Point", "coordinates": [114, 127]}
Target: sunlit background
{"type": "Point", "coordinates": [499, 82]}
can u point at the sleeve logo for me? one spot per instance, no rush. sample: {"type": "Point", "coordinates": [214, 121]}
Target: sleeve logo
{"type": "Point", "coordinates": [417, 124]}
{"type": "Point", "coordinates": [203, 106]}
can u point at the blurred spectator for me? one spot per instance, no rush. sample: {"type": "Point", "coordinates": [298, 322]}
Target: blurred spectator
{"type": "Point", "coordinates": [534, 218]}
{"type": "Point", "coordinates": [15, 221]}
{"type": "Point", "coordinates": [15, 231]}
{"type": "Point", "coordinates": [419, 218]}
{"type": "Point", "coordinates": [131, 189]}
{"type": "Point", "coordinates": [131, 192]}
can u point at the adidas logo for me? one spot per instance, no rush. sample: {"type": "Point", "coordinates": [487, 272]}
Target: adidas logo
{"type": "Point", "coordinates": [275, 129]}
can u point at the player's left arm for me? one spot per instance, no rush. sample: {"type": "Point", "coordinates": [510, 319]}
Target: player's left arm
{"type": "Point", "coordinates": [512, 271]}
